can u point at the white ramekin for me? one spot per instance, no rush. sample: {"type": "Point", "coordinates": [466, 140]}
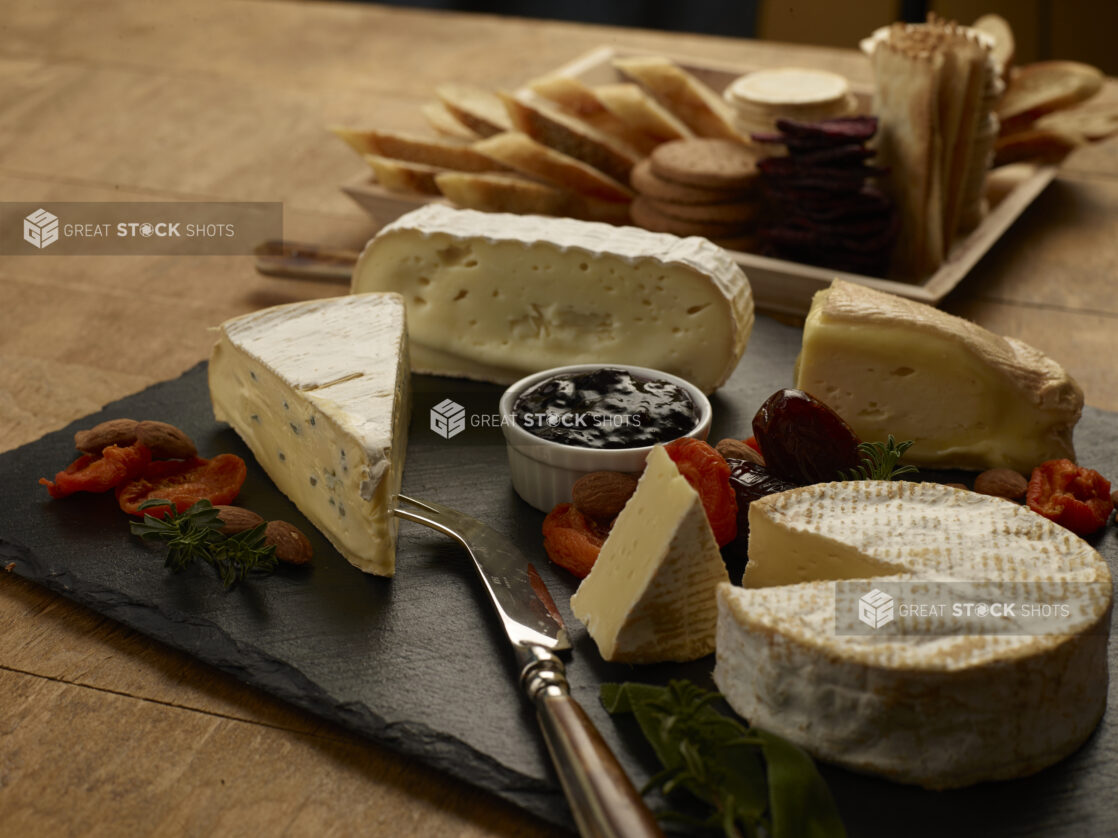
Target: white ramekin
{"type": "Point", "coordinates": [543, 471]}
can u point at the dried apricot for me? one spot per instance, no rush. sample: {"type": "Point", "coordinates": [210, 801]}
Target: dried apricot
{"type": "Point", "coordinates": [115, 465]}
{"type": "Point", "coordinates": [572, 540]}
{"type": "Point", "coordinates": [184, 483]}
{"type": "Point", "coordinates": [709, 475]}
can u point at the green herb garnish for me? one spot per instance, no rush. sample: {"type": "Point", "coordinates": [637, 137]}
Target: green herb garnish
{"type": "Point", "coordinates": [194, 536]}
{"type": "Point", "coordinates": [879, 461]}
{"type": "Point", "coordinates": [747, 778]}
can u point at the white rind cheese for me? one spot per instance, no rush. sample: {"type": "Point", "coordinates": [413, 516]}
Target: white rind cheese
{"type": "Point", "coordinates": [650, 596]}
{"type": "Point", "coordinates": [921, 705]}
{"type": "Point", "coordinates": [967, 397]}
{"type": "Point", "coordinates": [319, 392]}
{"type": "Point", "coordinates": [498, 296]}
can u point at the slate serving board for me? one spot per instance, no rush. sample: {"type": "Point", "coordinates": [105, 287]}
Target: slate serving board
{"type": "Point", "coordinates": [418, 662]}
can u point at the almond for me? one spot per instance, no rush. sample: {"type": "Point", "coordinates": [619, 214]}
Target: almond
{"type": "Point", "coordinates": [735, 449]}
{"type": "Point", "coordinates": [237, 519]}
{"type": "Point", "coordinates": [292, 546]}
{"type": "Point", "coordinates": [602, 494]}
{"type": "Point", "coordinates": [99, 437]}
{"type": "Point", "coordinates": [165, 441]}
{"type": "Point", "coordinates": [1001, 483]}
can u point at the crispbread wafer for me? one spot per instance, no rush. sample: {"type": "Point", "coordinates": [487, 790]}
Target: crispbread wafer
{"type": "Point", "coordinates": [737, 213]}
{"type": "Point", "coordinates": [644, 214]}
{"type": "Point", "coordinates": [645, 181]}
{"type": "Point", "coordinates": [711, 163]}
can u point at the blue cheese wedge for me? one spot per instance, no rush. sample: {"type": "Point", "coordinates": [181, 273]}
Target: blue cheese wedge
{"type": "Point", "coordinates": [968, 398]}
{"type": "Point", "coordinates": [933, 701]}
{"type": "Point", "coordinates": [319, 391]}
{"type": "Point", "coordinates": [498, 296]}
{"type": "Point", "coordinates": [651, 594]}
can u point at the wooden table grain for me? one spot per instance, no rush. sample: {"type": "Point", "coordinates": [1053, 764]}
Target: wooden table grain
{"type": "Point", "coordinates": [105, 732]}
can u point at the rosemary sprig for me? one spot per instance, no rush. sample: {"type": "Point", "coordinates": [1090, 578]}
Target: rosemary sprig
{"type": "Point", "coordinates": [879, 461]}
{"type": "Point", "coordinates": [194, 535]}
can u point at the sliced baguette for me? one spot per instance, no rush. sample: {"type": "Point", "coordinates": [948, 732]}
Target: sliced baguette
{"type": "Point", "coordinates": [401, 176]}
{"type": "Point", "coordinates": [515, 194]}
{"type": "Point", "coordinates": [696, 105]}
{"type": "Point", "coordinates": [1046, 86]}
{"type": "Point", "coordinates": [520, 152]}
{"type": "Point", "coordinates": [546, 123]}
{"type": "Point", "coordinates": [411, 148]}
{"type": "Point", "coordinates": [631, 104]}
{"type": "Point", "coordinates": [478, 109]}
{"type": "Point", "coordinates": [579, 100]}
{"type": "Point", "coordinates": [445, 123]}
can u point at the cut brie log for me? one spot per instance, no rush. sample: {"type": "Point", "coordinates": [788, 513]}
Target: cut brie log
{"type": "Point", "coordinates": [651, 594]}
{"type": "Point", "coordinates": [920, 705]}
{"type": "Point", "coordinates": [319, 392]}
{"type": "Point", "coordinates": [967, 397]}
{"type": "Point", "coordinates": [496, 296]}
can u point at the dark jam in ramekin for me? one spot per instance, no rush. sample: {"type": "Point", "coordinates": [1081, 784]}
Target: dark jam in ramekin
{"type": "Point", "coordinates": [606, 408]}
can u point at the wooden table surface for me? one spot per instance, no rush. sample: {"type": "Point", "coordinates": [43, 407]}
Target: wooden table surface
{"type": "Point", "coordinates": [105, 732]}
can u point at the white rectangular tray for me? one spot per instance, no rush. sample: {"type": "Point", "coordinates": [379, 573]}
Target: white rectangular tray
{"type": "Point", "coordinates": [779, 285]}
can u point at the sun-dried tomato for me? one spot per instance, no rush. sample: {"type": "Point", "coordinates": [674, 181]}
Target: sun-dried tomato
{"type": "Point", "coordinates": [184, 483]}
{"type": "Point", "coordinates": [754, 444]}
{"type": "Point", "coordinates": [572, 540]}
{"type": "Point", "coordinates": [1074, 497]}
{"type": "Point", "coordinates": [115, 465]}
{"type": "Point", "coordinates": [709, 475]}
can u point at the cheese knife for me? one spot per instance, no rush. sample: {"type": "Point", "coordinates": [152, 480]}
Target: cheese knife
{"type": "Point", "coordinates": [602, 799]}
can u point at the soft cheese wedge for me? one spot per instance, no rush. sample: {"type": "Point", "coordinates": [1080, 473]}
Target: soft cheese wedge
{"type": "Point", "coordinates": [935, 702]}
{"type": "Point", "coordinates": [651, 594]}
{"type": "Point", "coordinates": [498, 296]}
{"type": "Point", "coordinates": [319, 392]}
{"type": "Point", "coordinates": [967, 397]}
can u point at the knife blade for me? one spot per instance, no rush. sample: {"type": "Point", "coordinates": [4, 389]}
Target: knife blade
{"type": "Point", "coordinates": [602, 799]}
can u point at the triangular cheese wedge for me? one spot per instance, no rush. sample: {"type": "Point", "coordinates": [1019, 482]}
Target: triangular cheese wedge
{"type": "Point", "coordinates": [318, 391]}
{"type": "Point", "coordinates": [651, 594]}
{"type": "Point", "coordinates": [911, 688]}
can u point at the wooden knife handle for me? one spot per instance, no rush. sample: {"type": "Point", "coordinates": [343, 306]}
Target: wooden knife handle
{"type": "Point", "coordinates": [604, 802]}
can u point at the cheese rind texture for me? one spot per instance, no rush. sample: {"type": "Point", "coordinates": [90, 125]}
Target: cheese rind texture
{"type": "Point", "coordinates": [923, 705]}
{"type": "Point", "coordinates": [319, 392]}
{"type": "Point", "coordinates": [968, 398]}
{"type": "Point", "coordinates": [650, 596]}
{"type": "Point", "coordinates": [498, 296]}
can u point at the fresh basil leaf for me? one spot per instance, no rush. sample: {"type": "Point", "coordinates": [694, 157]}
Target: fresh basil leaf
{"type": "Point", "coordinates": [801, 804]}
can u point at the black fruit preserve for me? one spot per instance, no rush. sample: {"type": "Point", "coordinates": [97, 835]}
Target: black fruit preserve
{"type": "Point", "coordinates": [606, 408]}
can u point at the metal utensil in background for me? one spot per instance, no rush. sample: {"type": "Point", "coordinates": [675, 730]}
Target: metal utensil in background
{"type": "Point", "coordinates": [603, 800]}
{"type": "Point", "coordinates": [293, 260]}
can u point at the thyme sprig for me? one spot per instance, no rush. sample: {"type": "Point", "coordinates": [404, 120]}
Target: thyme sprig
{"type": "Point", "coordinates": [194, 536]}
{"type": "Point", "coordinates": [879, 461]}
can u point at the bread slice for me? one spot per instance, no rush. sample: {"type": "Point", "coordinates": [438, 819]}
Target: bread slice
{"type": "Point", "coordinates": [631, 104]}
{"type": "Point", "coordinates": [1046, 86]}
{"type": "Point", "coordinates": [998, 28]}
{"type": "Point", "coordinates": [411, 148]}
{"type": "Point", "coordinates": [520, 152]}
{"type": "Point", "coordinates": [478, 109]}
{"type": "Point", "coordinates": [696, 105]}
{"type": "Point", "coordinates": [1046, 145]}
{"type": "Point", "coordinates": [512, 193]}
{"type": "Point", "coordinates": [400, 176]}
{"type": "Point", "coordinates": [546, 123]}
{"type": "Point", "coordinates": [1094, 122]}
{"type": "Point", "coordinates": [445, 123]}
{"type": "Point", "coordinates": [578, 99]}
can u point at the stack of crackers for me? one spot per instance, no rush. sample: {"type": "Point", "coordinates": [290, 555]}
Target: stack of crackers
{"type": "Point", "coordinates": [699, 187]}
{"type": "Point", "coordinates": [555, 147]}
{"type": "Point", "coordinates": [936, 88]}
{"type": "Point", "coordinates": [823, 208]}
{"type": "Point", "coordinates": [760, 98]}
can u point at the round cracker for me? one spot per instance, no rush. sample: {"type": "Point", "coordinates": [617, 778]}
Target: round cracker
{"type": "Point", "coordinates": [741, 212]}
{"type": "Point", "coordinates": [794, 87]}
{"type": "Point", "coordinates": [645, 181]}
{"type": "Point", "coordinates": [645, 215]}
{"type": "Point", "coordinates": [706, 162]}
